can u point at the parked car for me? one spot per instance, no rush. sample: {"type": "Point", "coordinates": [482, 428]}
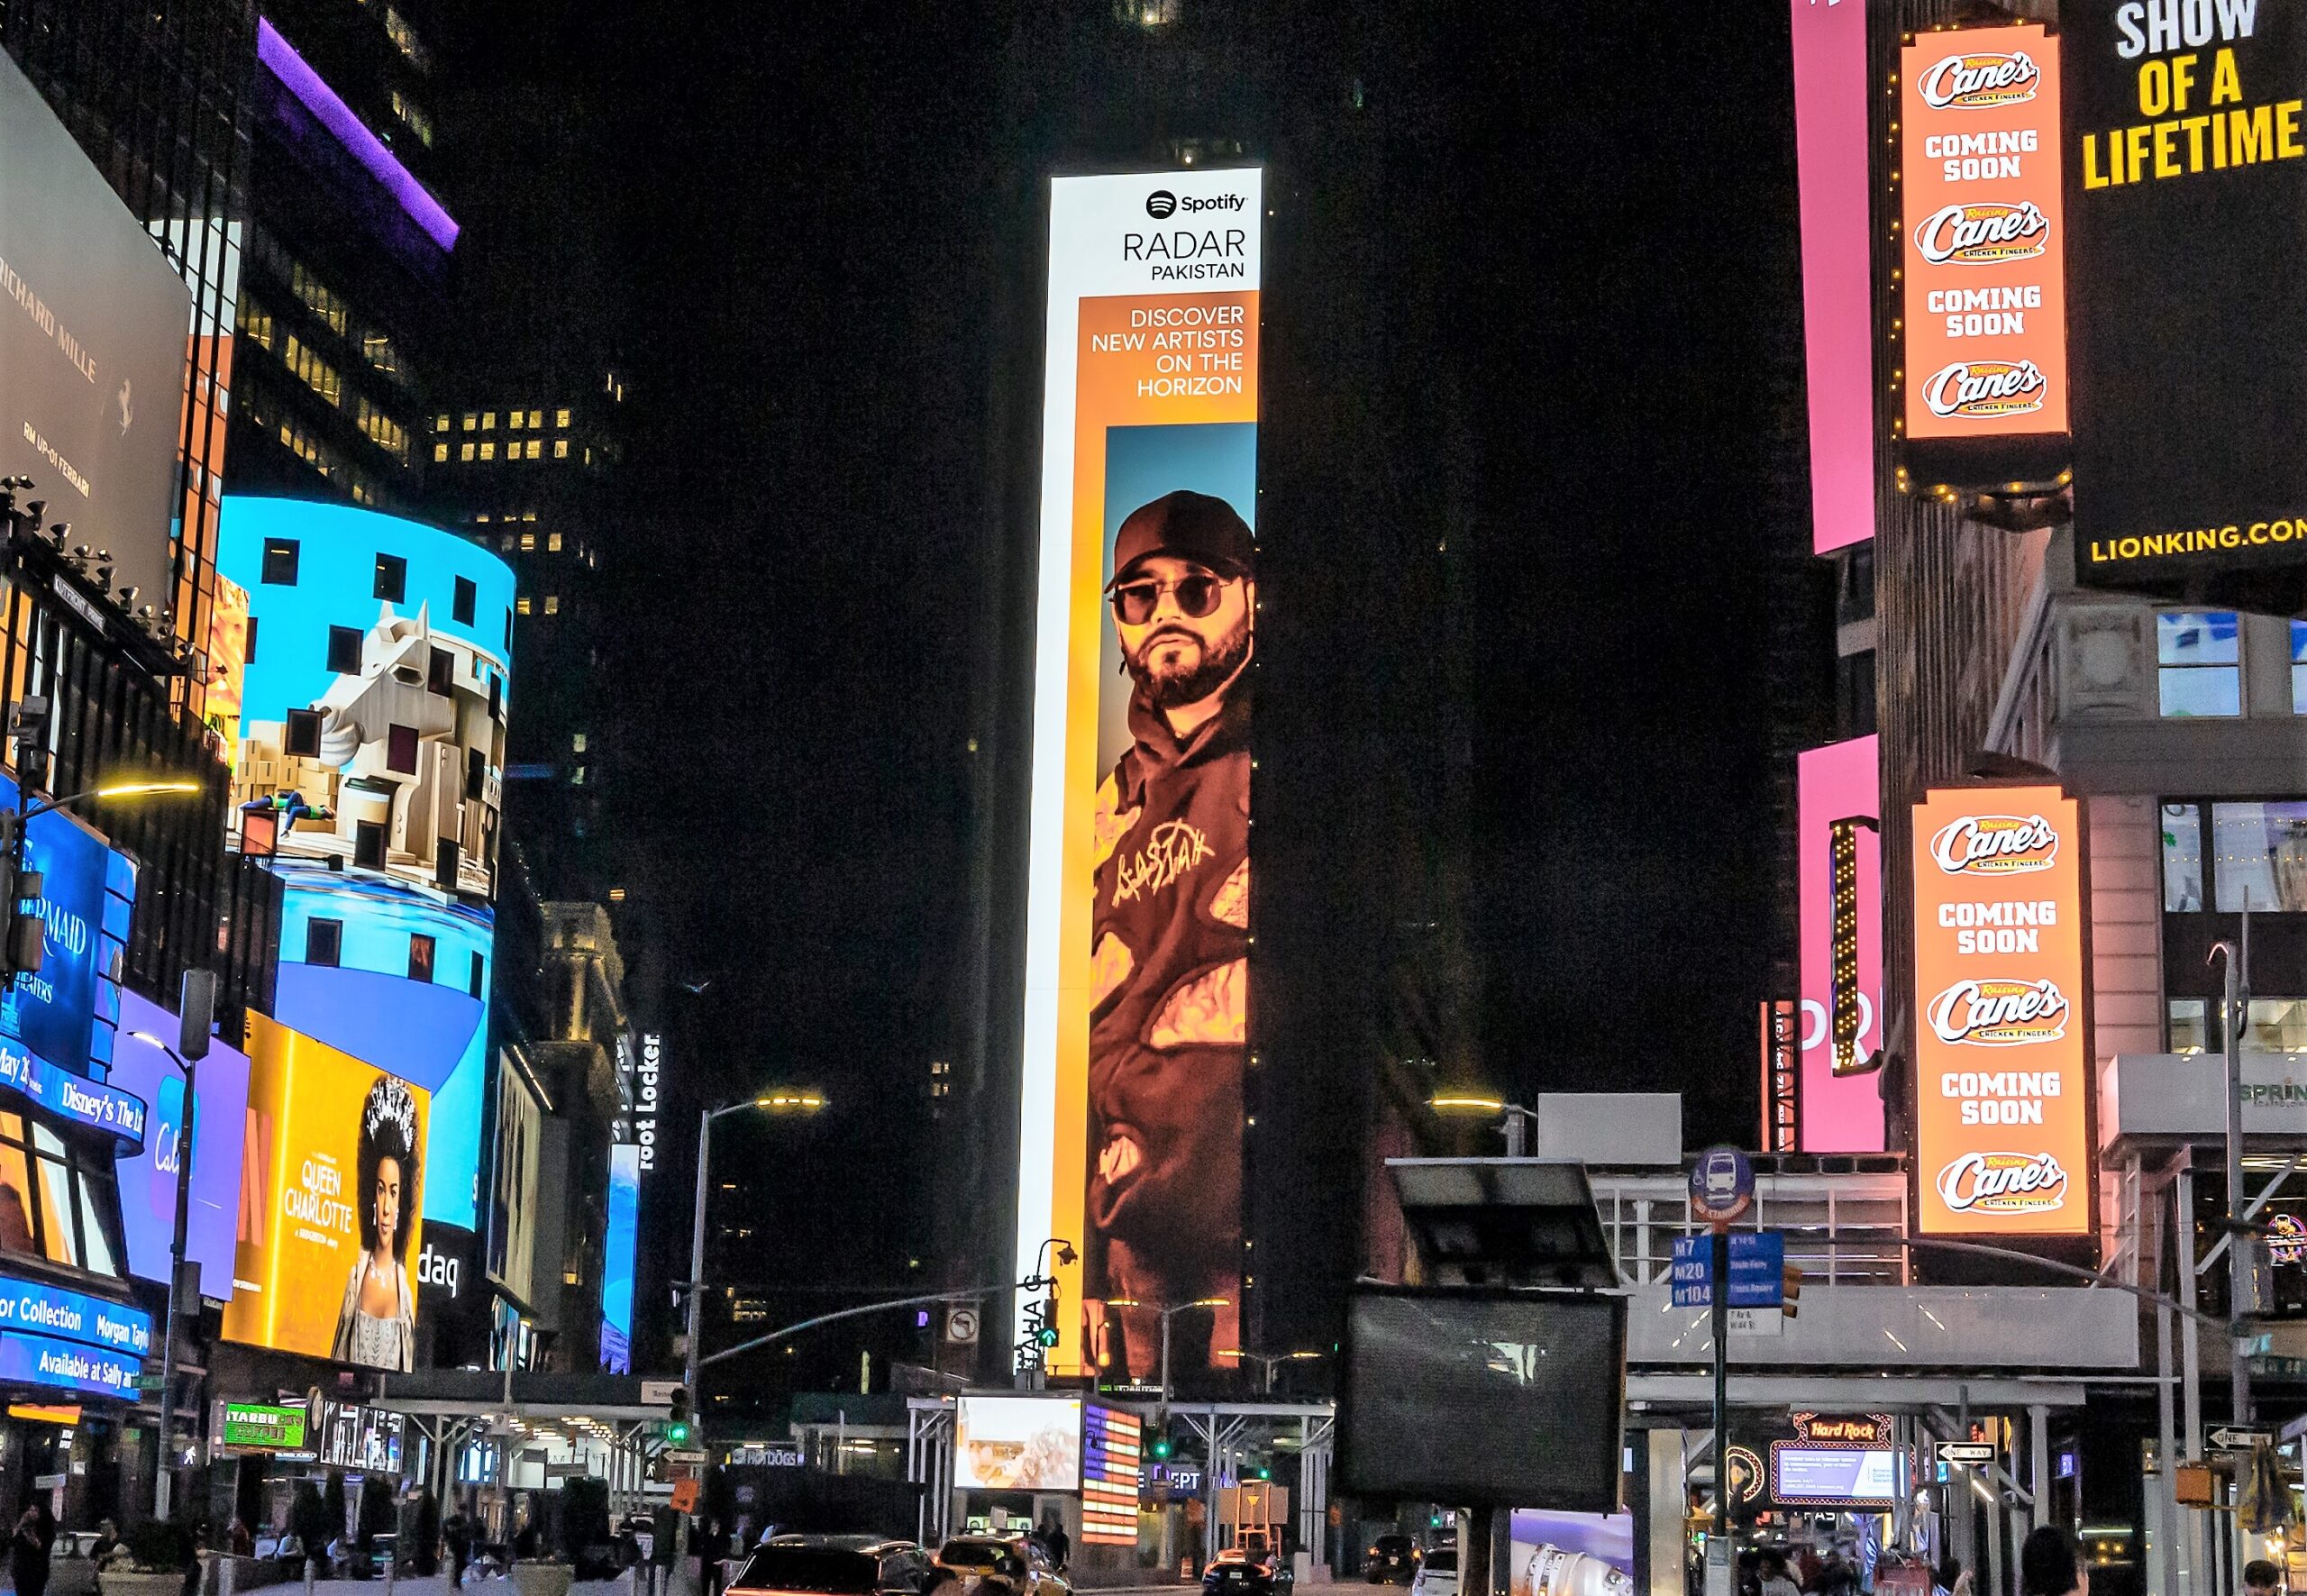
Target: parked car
{"type": "Point", "coordinates": [1392, 1560]}
{"type": "Point", "coordinates": [995, 1565]}
{"type": "Point", "coordinates": [1437, 1572]}
{"type": "Point", "coordinates": [1247, 1571]}
{"type": "Point", "coordinates": [832, 1565]}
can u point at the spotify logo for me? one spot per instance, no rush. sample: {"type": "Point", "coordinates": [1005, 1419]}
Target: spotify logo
{"type": "Point", "coordinates": [1159, 203]}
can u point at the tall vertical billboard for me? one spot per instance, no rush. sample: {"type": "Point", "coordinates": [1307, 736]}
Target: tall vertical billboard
{"type": "Point", "coordinates": [1986, 292]}
{"type": "Point", "coordinates": [620, 1242]}
{"type": "Point", "coordinates": [2002, 1084]}
{"type": "Point", "coordinates": [1135, 1018]}
{"type": "Point", "coordinates": [1830, 145]}
{"type": "Point", "coordinates": [331, 1204]}
{"type": "Point", "coordinates": [147, 1178]}
{"type": "Point", "coordinates": [1841, 1108]}
{"type": "Point", "coordinates": [2184, 187]}
{"type": "Point", "coordinates": [370, 772]}
{"type": "Point", "coordinates": [92, 346]}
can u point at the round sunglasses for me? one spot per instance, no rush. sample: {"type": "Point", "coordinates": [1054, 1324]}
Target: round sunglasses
{"type": "Point", "coordinates": [1197, 595]}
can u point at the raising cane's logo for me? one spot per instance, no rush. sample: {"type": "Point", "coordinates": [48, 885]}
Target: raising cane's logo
{"type": "Point", "coordinates": [1995, 844]}
{"type": "Point", "coordinates": [1986, 390]}
{"type": "Point", "coordinates": [1979, 82]}
{"type": "Point", "coordinates": [2003, 1183]}
{"type": "Point", "coordinates": [1999, 1012]}
{"type": "Point", "coordinates": [1983, 232]}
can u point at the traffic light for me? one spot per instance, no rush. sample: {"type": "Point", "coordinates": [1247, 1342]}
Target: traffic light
{"type": "Point", "coordinates": [1046, 1335]}
{"type": "Point", "coordinates": [24, 934]}
{"type": "Point", "coordinates": [1262, 1472]}
{"type": "Point", "coordinates": [680, 1427]}
{"type": "Point", "coordinates": [1161, 1449]}
{"type": "Point", "coordinates": [1790, 1292]}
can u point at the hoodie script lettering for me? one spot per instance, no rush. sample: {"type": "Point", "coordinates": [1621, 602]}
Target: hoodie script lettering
{"type": "Point", "coordinates": [1174, 848]}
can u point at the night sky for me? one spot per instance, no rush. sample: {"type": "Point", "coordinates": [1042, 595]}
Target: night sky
{"type": "Point", "coordinates": [1532, 405]}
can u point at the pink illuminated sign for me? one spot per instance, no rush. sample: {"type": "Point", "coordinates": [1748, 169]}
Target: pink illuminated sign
{"type": "Point", "coordinates": [1830, 147]}
{"type": "Point", "coordinates": [1840, 1114]}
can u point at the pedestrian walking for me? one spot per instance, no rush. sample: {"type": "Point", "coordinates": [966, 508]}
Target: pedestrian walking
{"type": "Point", "coordinates": [2051, 1565]}
{"type": "Point", "coordinates": [28, 1552]}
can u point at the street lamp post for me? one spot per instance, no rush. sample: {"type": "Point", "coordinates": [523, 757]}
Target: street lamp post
{"type": "Point", "coordinates": [1267, 1361]}
{"type": "Point", "coordinates": [1485, 1104]}
{"type": "Point", "coordinates": [164, 1481]}
{"type": "Point", "coordinates": [781, 1101]}
{"type": "Point", "coordinates": [1167, 1313]}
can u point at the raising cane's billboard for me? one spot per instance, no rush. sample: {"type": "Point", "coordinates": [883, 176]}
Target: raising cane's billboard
{"type": "Point", "coordinates": [2002, 1037]}
{"type": "Point", "coordinates": [1137, 868]}
{"type": "Point", "coordinates": [1986, 317]}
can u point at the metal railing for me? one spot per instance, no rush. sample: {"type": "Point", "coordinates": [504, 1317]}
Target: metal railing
{"type": "Point", "coordinates": [1841, 1228]}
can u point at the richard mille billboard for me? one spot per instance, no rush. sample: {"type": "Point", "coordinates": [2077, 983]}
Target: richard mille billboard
{"type": "Point", "coordinates": [93, 330]}
{"type": "Point", "coordinates": [1138, 907]}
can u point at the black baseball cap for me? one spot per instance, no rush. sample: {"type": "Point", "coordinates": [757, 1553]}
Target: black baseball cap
{"type": "Point", "coordinates": [1185, 525]}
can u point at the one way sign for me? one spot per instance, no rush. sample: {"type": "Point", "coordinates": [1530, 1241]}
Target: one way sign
{"type": "Point", "coordinates": [2234, 1440]}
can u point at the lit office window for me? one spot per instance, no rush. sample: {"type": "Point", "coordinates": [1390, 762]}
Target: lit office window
{"type": "Point", "coordinates": [488, 452]}
{"type": "Point", "coordinates": [383, 431]}
{"type": "Point", "coordinates": [536, 448]}
{"type": "Point", "coordinates": [439, 424]}
{"type": "Point", "coordinates": [2299, 667]}
{"type": "Point", "coordinates": [561, 449]}
{"type": "Point", "coordinates": [406, 40]}
{"type": "Point", "coordinates": [319, 298]}
{"type": "Point", "coordinates": [560, 417]}
{"type": "Point", "coordinates": [577, 744]}
{"type": "Point", "coordinates": [576, 777]}
{"type": "Point", "coordinates": [521, 604]}
{"type": "Point", "coordinates": [466, 453]}
{"type": "Point", "coordinates": [513, 419]}
{"type": "Point", "coordinates": [2182, 859]}
{"type": "Point", "coordinates": [2260, 850]}
{"type": "Point", "coordinates": [489, 420]}
{"type": "Point", "coordinates": [316, 373]}
{"type": "Point", "coordinates": [2199, 662]}
{"type": "Point", "coordinates": [415, 116]}
{"type": "Point", "coordinates": [472, 421]}
{"type": "Point", "coordinates": [528, 542]}
{"type": "Point", "coordinates": [553, 603]}
{"type": "Point", "coordinates": [552, 543]}
{"type": "Point", "coordinates": [537, 418]}
{"type": "Point", "coordinates": [440, 451]}
{"type": "Point", "coordinates": [2270, 1025]}
{"type": "Point", "coordinates": [525, 516]}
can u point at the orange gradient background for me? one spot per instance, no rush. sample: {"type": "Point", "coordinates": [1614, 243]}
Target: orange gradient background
{"type": "Point", "coordinates": [1107, 396]}
{"type": "Point", "coordinates": [1940, 1135]}
{"type": "Point", "coordinates": [304, 1104]}
{"type": "Point", "coordinates": [1929, 349]}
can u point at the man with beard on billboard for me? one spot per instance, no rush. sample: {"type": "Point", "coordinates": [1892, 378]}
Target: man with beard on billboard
{"type": "Point", "coordinates": [1170, 925]}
